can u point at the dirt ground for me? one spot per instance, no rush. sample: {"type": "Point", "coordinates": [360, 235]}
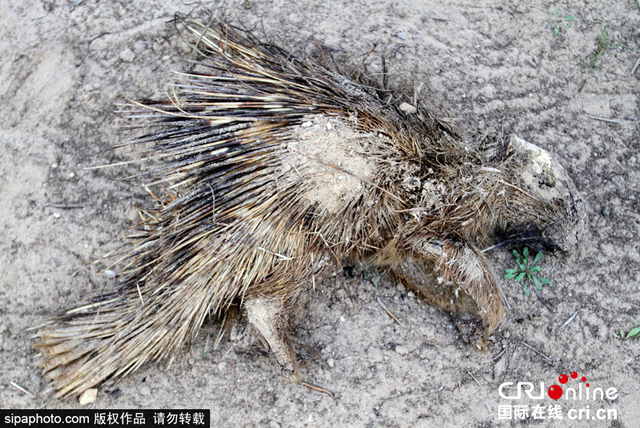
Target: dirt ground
{"type": "Point", "coordinates": [493, 65]}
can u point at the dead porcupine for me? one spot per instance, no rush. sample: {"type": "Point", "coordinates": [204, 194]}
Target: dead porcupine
{"type": "Point", "coordinates": [275, 167]}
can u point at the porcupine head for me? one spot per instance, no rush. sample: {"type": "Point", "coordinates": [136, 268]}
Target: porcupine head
{"type": "Point", "coordinates": [516, 195]}
{"type": "Point", "coordinates": [277, 167]}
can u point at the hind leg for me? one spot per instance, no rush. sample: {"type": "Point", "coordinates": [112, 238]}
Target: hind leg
{"type": "Point", "coordinates": [272, 305]}
{"type": "Point", "coordinates": [270, 317]}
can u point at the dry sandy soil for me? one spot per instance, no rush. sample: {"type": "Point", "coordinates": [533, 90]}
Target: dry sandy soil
{"type": "Point", "coordinates": [494, 65]}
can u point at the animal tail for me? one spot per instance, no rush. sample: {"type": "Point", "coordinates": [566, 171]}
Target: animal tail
{"type": "Point", "coordinates": [117, 334]}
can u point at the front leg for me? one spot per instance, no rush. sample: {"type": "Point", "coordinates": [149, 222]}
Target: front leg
{"type": "Point", "coordinates": [454, 275]}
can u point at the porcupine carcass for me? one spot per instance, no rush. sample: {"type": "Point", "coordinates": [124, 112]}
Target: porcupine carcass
{"type": "Point", "coordinates": [276, 168]}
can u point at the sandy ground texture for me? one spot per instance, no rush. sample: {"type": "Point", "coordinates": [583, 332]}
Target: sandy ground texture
{"type": "Point", "coordinates": [496, 66]}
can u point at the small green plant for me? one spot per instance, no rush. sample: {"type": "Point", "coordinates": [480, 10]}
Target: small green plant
{"type": "Point", "coordinates": [526, 271]}
{"type": "Point", "coordinates": [555, 18]}
{"type": "Point", "coordinates": [603, 46]}
{"type": "Point", "coordinates": [634, 333]}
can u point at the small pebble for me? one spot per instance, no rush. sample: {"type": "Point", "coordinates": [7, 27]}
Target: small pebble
{"type": "Point", "coordinates": [73, 174]}
{"type": "Point", "coordinates": [54, 166]}
{"type": "Point", "coordinates": [57, 215]}
{"type": "Point", "coordinates": [88, 397]}
{"type": "Point", "coordinates": [110, 273]}
{"type": "Point", "coordinates": [402, 350]}
{"type": "Point", "coordinates": [145, 391]}
{"type": "Point", "coordinates": [331, 363]}
{"type": "Point", "coordinates": [329, 126]}
{"type": "Point", "coordinates": [140, 46]}
{"type": "Point", "coordinates": [307, 124]}
{"type": "Point", "coordinates": [127, 55]}
{"type": "Point", "coordinates": [408, 108]}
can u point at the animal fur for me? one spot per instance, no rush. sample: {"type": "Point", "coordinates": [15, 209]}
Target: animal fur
{"type": "Point", "coordinates": [276, 168]}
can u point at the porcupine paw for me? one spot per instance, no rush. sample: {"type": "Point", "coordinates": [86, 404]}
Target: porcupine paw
{"type": "Point", "coordinates": [268, 316]}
